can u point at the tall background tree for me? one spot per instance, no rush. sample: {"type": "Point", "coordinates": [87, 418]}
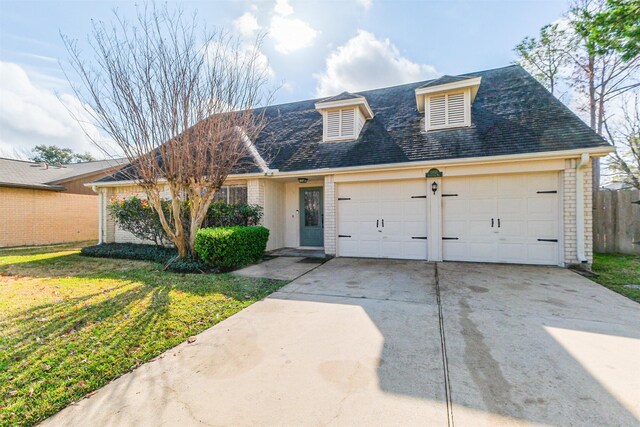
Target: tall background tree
{"type": "Point", "coordinates": [179, 101]}
{"type": "Point", "coordinates": [52, 154]}
{"type": "Point", "coordinates": [624, 165]}
{"type": "Point", "coordinates": [599, 63]}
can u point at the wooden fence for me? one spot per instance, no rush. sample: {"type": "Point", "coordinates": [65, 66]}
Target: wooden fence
{"type": "Point", "coordinates": [616, 222]}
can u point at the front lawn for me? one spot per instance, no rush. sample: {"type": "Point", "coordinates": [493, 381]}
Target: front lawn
{"type": "Point", "coordinates": [69, 324]}
{"type": "Point", "coordinates": [617, 271]}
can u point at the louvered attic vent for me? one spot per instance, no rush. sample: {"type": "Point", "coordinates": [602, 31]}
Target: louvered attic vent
{"type": "Point", "coordinates": [447, 101]}
{"type": "Point", "coordinates": [343, 116]}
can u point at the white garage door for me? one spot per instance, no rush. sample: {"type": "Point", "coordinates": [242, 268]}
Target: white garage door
{"type": "Point", "coordinates": [383, 219]}
{"type": "Point", "coordinates": [501, 218]}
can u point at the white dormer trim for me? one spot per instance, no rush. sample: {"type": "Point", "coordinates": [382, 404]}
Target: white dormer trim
{"type": "Point", "coordinates": [473, 84]}
{"type": "Point", "coordinates": [342, 120]}
{"type": "Point", "coordinates": [360, 102]}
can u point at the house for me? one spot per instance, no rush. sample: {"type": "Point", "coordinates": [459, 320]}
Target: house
{"type": "Point", "coordinates": [485, 167]}
{"type": "Point", "coordinates": [43, 204]}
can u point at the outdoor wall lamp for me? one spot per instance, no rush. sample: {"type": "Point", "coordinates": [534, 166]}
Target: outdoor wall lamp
{"type": "Point", "coordinates": [303, 180]}
{"type": "Point", "coordinates": [434, 187]}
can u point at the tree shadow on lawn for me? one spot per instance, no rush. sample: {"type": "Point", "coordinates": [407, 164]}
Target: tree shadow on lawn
{"type": "Point", "coordinates": [56, 352]}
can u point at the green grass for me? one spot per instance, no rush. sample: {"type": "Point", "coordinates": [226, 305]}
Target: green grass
{"type": "Point", "coordinates": [70, 324]}
{"type": "Point", "coordinates": [615, 271]}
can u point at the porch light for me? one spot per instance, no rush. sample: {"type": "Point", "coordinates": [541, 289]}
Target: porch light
{"type": "Point", "coordinates": [303, 180]}
{"type": "Point", "coordinates": [434, 187]}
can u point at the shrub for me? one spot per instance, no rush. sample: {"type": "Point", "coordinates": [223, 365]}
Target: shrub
{"type": "Point", "coordinates": [136, 216]}
{"type": "Point", "coordinates": [228, 248]}
{"type": "Point", "coordinates": [163, 255]}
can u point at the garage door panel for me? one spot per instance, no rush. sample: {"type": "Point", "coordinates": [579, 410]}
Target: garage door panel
{"type": "Point", "coordinates": [543, 253]}
{"type": "Point", "coordinates": [403, 217]}
{"type": "Point", "coordinates": [525, 205]}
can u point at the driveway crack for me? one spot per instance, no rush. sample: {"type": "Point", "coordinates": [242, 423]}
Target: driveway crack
{"type": "Point", "coordinates": [443, 346]}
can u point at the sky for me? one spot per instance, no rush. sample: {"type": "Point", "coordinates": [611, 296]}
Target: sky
{"type": "Point", "coordinates": [313, 49]}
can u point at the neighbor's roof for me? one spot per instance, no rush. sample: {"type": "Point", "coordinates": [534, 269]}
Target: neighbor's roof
{"type": "Point", "coordinates": [512, 114]}
{"type": "Point", "coordinates": [20, 173]}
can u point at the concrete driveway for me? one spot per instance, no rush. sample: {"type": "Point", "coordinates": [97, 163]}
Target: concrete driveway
{"type": "Point", "coordinates": [366, 342]}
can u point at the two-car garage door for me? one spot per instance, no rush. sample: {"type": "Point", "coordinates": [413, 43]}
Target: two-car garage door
{"type": "Point", "coordinates": [499, 218]}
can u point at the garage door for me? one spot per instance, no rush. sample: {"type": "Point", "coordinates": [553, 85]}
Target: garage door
{"type": "Point", "coordinates": [503, 218]}
{"type": "Point", "coordinates": [383, 219]}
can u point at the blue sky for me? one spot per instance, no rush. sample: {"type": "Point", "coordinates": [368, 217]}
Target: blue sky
{"type": "Point", "coordinates": [313, 49]}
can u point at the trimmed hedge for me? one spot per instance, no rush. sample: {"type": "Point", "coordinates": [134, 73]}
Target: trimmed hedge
{"type": "Point", "coordinates": [228, 248]}
{"type": "Point", "coordinates": [152, 253]}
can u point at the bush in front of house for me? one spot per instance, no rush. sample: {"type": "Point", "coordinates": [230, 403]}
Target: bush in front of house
{"type": "Point", "coordinates": [135, 215]}
{"type": "Point", "coordinates": [229, 248]}
{"type": "Point", "coordinates": [163, 255]}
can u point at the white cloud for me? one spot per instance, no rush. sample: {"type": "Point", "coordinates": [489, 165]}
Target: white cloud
{"type": "Point", "coordinates": [290, 34]}
{"type": "Point", "coordinates": [246, 24]}
{"type": "Point", "coordinates": [31, 115]}
{"type": "Point", "coordinates": [283, 8]}
{"type": "Point", "coordinates": [366, 62]}
{"type": "Point", "coordinates": [366, 4]}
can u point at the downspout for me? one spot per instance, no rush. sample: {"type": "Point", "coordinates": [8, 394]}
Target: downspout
{"type": "Point", "coordinates": [100, 214]}
{"type": "Point", "coordinates": [584, 160]}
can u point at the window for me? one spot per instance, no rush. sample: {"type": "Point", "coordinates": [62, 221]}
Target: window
{"type": "Point", "coordinates": [447, 110]}
{"type": "Point", "coordinates": [340, 124]}
{"type": "Point", "coordinates": [232, 195]}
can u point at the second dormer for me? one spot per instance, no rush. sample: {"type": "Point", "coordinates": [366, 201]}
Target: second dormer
{"type": "Point", "coordinates": [447, 101]}
{"type": "Point", "coordinates": [343, 116]}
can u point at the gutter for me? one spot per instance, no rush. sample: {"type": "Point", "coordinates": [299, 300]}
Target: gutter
{"type": "Point", "coordinates": [584, 161]}
{"type": "Point", "coordinates": [45, 187]}
{"type": "Point", "coordinates": [549, 155]}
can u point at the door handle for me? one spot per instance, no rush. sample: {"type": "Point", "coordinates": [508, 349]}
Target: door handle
{"type": "Point", "coordinates": [498, 222]}
{"type": "Point", "coordinates": [383, 223]}
{"type": "Point", "coordinates": [377, 223]}
{"type": "Point", "coordinates": [491, 222]}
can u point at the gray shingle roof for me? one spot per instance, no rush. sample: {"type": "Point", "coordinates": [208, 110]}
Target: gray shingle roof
{"type": "Point", "coordinates": [19, 173]}
{"type": "Point", "coordinates": [512, 114]}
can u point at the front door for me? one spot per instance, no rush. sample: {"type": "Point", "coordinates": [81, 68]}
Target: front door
{"type": "Point", "coordinates": [311, 217]}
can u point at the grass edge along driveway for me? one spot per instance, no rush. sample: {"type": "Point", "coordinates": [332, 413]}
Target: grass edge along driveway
{"type": "Point", "coordinates": [70, 324]}
{"type": "Point", "coordinates": [616, 272]}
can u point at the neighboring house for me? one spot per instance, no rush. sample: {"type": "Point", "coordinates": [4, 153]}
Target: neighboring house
{"type": "Point", "coordinates": [485, 167]}
{"type": "Point", "coordinates": [43, 204]}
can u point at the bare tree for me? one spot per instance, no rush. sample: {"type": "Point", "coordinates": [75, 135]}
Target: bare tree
{"type": "Point", "coordinates": [179, 102]}
{"type": "Point", "coordinates": [545, 57]}
{"type": "Point", "coordinates": [624, 163]}
{"type": "Point", "coordinates": [599, 75]}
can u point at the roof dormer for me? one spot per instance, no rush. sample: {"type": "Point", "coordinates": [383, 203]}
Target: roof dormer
{"type": "Point", "coordinates": [343, 116]}
{"type": "Point", "coordinates": [446, 101]}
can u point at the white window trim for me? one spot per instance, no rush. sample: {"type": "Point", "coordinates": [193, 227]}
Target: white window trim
{"type": "Point", "coordinates": [325, 117]}
{"type": "Point", "coordinates": [467, 111]}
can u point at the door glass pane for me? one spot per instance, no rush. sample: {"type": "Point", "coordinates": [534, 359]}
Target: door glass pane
{"type": "Point", "coordinates": [311, 208]}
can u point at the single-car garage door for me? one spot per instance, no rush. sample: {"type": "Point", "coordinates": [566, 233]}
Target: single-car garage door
{"type": "Point", "coordinates": [383, 219]}
{"type": "Point", "coordinates": [501, 218]}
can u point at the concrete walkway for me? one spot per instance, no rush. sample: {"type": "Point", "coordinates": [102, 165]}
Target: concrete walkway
{"type": "Point", "coordinates": [358, 342]}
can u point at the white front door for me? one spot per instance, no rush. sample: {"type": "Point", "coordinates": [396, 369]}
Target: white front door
{"type": "Point", "coordinates": [383, 219]}
{"type": "Point", "coordinates": [509, 218]}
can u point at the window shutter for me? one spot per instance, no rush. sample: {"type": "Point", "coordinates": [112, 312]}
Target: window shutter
{"type": "Point", "coordinates": [437, 111]}
{"type": "Point", "coordinates": [455, 109]}
{"type": "Point", "coordinates": [333, 124]}
{"type": "Point", "coordinates": [348, 122]}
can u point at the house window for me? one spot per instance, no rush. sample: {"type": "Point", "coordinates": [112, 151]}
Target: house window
{"type": "Point", "coordinates": [231, 194]}
{"type": "Point", "coordinates": [340, 124]}
{"type": "Point", "coordinates": [447, 110]}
